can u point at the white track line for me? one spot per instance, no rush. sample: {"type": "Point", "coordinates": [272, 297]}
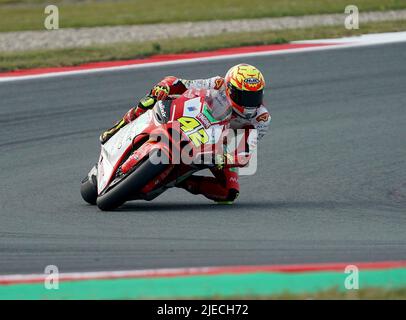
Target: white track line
{"type": "Point", "coordinates": [27, 278]}
{"type": "Point", "coordinates": [365, 39]}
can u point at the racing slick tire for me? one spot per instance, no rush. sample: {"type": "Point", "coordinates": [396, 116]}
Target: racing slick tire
{"type": "Point", "coordinates": [88, 190]}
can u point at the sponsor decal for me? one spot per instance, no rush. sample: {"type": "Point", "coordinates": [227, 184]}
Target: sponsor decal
{"type": "Point", "coordinates": [263, 117]}
{"type": "Point", "coordinates": [192, 107]}
{"type": "Point", "coordinates": [252, 81]}
{"type": "Point", "coordinates": [218, 83]}
{"type": "Point", "coordinates": [203, 120]}
{"type": "Point", "coordinates": [252, 84]}
{"type": "Point", "coordinates": [162, 109]}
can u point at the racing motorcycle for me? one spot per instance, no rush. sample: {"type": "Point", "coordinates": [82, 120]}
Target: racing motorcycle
{"type": "Point", "coordinates": [157, 151]}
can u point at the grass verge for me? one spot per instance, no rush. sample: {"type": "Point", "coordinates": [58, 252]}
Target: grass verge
{"type": "Point", "coordinates": [375, 283]}
{"type": "Point", "coordinates": [69, 57]}
{"type": "Point", "coordinates": [334, 294]}
{"type": "Point", "coordinates": [17, 15]}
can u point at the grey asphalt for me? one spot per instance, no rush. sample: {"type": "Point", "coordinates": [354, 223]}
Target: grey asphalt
{"type": "Point", "coordinates": [331, 182]}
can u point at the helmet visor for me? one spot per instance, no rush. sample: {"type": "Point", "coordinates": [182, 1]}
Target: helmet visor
{"type": "Point", "coordinates": [248, 99]}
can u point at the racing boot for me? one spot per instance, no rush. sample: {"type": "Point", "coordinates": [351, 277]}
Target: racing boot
{"type": "Point", "coordinates": [106, 135]}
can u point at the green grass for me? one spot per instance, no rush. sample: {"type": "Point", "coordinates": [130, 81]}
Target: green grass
{"type": "Point", "coordinates": [69, 57]}
{"type": "Point", "coordinates": [29, 14]}
{"type": "Point", "coordinates": [334, 294]}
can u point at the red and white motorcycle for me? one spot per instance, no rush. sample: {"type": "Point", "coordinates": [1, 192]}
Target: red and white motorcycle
{"type": "Point", "coordinates": [158, 150]}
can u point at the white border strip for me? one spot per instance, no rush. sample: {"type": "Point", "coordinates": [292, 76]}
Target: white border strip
{"type": "Point", "coordinates": [71, 276]}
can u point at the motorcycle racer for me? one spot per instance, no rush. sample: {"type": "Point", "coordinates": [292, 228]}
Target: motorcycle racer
{"type": "Point", "coordinates": [238, 97]}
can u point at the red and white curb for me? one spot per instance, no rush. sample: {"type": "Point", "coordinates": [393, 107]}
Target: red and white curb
{"type": "Point", "coordinates": [222, 54]}
{"type": "Point", "coordinates": [199, 271]}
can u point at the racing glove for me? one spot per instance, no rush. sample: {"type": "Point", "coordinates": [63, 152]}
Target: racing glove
{"type": "Point", "coordinates": [160, 91]}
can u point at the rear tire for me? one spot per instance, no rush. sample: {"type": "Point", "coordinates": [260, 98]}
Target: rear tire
{"type": "Point", "coordinates": [131, 184]}
{"type": "Point", "coordinates": [88, 190]}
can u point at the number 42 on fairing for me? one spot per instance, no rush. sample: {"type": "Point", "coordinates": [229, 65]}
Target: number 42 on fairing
{"type": "Point", "coordinates": [194, 130]}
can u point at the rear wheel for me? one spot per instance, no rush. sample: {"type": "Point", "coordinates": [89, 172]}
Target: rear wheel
{"type": "Point", "coordinates": [131, 184]}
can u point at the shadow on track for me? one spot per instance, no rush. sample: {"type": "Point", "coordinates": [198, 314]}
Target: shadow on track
{"type": "Point", "coordinates": [263, 205]}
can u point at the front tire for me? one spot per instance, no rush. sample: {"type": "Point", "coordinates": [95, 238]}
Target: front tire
{"type": "Point", "coordinates": [131, 184]}
{"type": "Point", "coordinates": [88, 190]}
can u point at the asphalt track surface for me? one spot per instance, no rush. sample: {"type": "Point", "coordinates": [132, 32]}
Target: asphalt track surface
{"type": "Point", "coordinates": [331, 182]}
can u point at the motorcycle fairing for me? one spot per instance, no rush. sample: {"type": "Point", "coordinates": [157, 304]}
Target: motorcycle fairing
{"type": "Point", "coordinates": [117, 147]}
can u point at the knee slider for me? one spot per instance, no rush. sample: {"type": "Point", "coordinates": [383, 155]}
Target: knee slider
{"type": "Point", "coordinates": [232, 194]}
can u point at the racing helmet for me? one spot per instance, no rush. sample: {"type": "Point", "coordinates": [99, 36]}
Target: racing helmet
{"type": "Point", "coordinates": [245, 89]}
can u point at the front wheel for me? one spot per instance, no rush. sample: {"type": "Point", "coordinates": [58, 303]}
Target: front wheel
{"type": "Point", "coordinates": [88, 190]}
{"type": "Point", "coordinates": [131, 184]}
